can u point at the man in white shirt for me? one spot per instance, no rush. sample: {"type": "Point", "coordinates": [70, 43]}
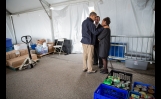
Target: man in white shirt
{"type": "Point", "coordinates": [96, 22]}
{"type": "Point", "coordinates": [96, 46]}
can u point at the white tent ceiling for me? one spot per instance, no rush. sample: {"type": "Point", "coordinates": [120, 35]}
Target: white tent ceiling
{"type": "Point", "coordinates": [15, 6]}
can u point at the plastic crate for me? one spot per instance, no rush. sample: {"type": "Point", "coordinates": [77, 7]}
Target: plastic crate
{"type": "Point", "coordinates": [9, 49]}
{"type": "Point", "coordinates": [33, 46]}
{"type": "Point", "coordinates": [117, 49]}
{"type": "Point", "coordinates": [123, 76]}
{"type": "Point", "coordinates": [143, 84]}
{"type": "Point", "coordinates": [8, 42]}
{"type": "Point", "coordinates": [141, 65]}
{"type": "Point", "coordinates": [110, 92]}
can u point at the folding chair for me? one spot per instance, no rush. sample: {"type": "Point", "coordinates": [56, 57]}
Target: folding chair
{"type": "Point", "coordinates": [59, 45]}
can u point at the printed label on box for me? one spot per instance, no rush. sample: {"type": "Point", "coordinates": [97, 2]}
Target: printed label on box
{"type": "Point", "coordinates": [17, 52]}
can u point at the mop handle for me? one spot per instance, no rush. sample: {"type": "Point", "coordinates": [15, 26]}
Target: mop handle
{"type": "Point", "coordinates": [26, 39]}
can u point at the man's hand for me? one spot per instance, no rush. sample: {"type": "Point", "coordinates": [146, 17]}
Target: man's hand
{"type": "Point", "coordinates": [98, 40]}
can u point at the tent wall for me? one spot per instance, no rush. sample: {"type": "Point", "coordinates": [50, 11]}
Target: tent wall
{"type": "Point", "coordinates": [36, 24]}
{"type": "Point", "coordinates": [130, 18]}
{"type": "Point", "coordinates": [9, 29]}
{"type": "Point", "coordinates": [67, 24]}
{"type": "Point", "coordinates": [66, 19]}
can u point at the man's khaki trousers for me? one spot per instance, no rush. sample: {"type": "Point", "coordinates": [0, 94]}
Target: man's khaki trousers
{"type": "Point", "coordinates": [88, 53]}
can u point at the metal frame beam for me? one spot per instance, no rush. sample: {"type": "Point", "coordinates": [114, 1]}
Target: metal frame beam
{"type": "Point", "coordinates": [45, 2]}
{"type": "Point", "coordinates": [44, 8]}
{"type": "Point", "coordinates": [31, 10]}
{"type": "Point", "coordinates": [50, 11]}
{"type": "Point", "coordinates": [8, 12]}
{"type": "Point", "coordinates": [53, 5]}
{"type": "Point", "coordinates": [70, 2]}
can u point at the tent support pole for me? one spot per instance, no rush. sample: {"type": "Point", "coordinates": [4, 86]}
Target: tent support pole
{"type": "Point", "coordinates": [52, 27]}
{"type": "Point", "coordinates": [50, 17]}
{"type": "Point", "coordinates": [13, 28]}
{"type": "Point", "coordinates": [12, 24]}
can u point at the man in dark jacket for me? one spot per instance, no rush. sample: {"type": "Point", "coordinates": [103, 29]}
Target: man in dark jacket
{"type": "Point", "coordinates": [89, 31]}
{"type": "Point", "coordinates": [96, 46]}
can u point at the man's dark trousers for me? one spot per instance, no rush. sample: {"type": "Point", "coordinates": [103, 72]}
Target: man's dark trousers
{"type": "Point", "coordinates": [96, 56]}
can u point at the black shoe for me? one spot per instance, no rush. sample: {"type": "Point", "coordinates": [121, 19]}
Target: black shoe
{"type": "Point", "coordinates": [104, 71]}
{"type": "Point", "coordinates": [95, 64]}
{"type": "Point", "coordinates": [101, 69]}
{"type": "Point", "coordinates": [100, 66]}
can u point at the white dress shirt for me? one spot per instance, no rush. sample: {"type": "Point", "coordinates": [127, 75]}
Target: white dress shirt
{"type": "Point", "coordinates": [96, 24]}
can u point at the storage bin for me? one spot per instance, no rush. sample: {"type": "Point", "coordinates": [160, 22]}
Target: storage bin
{"type": "Point", "coordinates": [123, 77]}
{"type": "Point", "coordinates": [110, 92]}
{"type": "Point", "coordinates": [9, 49]}
{"type": "Point", "coordinates": [142, 84]}
{"type": "Point", "coordinates": [8, 42]}
{"type": "Point", "coordinates": [33, 46]}
{"type": "Point", "coordinates": [117, 49]}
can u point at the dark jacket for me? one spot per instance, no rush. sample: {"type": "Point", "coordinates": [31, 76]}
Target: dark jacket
{"type": "Point", "coordinates": [88, 32]}
{"type": "Point", "coordinates": [104, 43]}
{"type": "Point", "coordinates": [97, 42]}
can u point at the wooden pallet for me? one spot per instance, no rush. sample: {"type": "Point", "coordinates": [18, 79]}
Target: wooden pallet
{"type": "Point", "coordinates": [13, 68]}
{"type": "Point", "coordinates": [39, 56]}
{"type": "Point", "coordinates": [17, 68]}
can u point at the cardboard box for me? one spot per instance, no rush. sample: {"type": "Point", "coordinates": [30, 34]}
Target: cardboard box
{"type": "Point", "coordinates": [16, 62]}
{"type": "Point", "coordinates": [12, 55]}
{"type": "Point", "coordinates": [7, 56]}
{"type": "Point", "coordinates": [17, 53]}
{"type": "Point", "coordinates": [40, 41]}
{"type": "Point", "coordinates": [43, 40]}
{"type": "Point", "coordinates": [23, 52]}
{"type": "Point", "coordinates": [16, 57]}
{"type": "Point", "coordinates": [50, 47]}
{"type": "Point", "coordinates": [32, 51]}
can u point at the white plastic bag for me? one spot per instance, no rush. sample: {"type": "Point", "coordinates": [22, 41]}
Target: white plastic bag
{"type": "Point", "coordinates": [44, 44]}
{"type": "Point", "coordinates": [20, 46]}
{"type": "Point", "coordinates": [45, 50]}
{"type": "Point", "coordinates": [39, 50]}
{"type": "Point", "coordinates": [16, 47]}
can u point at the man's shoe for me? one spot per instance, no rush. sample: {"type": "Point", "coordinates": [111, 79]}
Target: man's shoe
{"type": "Point", "coordinates": [94, 71]}
{"type": "Point", "coordinates": [85, 70]}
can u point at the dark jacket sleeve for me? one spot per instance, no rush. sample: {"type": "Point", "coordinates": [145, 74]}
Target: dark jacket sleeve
{"type": "Point", "coordinates": [95, 30]}
{"type": "Point", "coordinates": [103, 34]}
{"type": "Point", "coordinates": [99, 26]}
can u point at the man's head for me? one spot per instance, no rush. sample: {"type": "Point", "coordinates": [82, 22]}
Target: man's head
{"type": "Point", "coordinates": [93, 16]}
{"type": "Point", "coordinates": [97, 19]}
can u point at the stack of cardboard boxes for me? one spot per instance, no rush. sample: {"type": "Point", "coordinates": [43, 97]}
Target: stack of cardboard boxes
{"type": "Point", "coordinates": [50, 47]}
{"type": "Point", "coordinates": [15, 58]}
